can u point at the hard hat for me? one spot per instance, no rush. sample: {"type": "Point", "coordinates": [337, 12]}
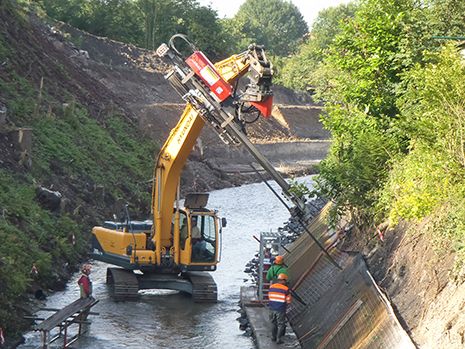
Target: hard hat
{"type": "Point", "coordinates": [282, 276]}
{"type": "Point", "coordinates": [278, 260]}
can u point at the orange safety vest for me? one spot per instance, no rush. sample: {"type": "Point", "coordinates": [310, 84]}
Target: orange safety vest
{"type": "Point", "coordinates": [279, 296]}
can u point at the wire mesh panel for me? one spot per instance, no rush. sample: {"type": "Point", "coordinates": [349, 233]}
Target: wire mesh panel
{"type": "Point", "coordinates": [338, 308]}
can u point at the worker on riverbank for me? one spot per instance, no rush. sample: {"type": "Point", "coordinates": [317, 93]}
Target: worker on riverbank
{"type": "Point", "coordinates": [85, 285]}
{"type": "Point", "coordinates": [276, 269]}
{"type": "Point", "coordinates": [279, 297]}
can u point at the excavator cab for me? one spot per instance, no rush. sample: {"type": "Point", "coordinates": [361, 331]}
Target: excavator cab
{"type": "Point", "coordinates": [199, 240]}
{"type": "Point", "coordinates": [198, 234]}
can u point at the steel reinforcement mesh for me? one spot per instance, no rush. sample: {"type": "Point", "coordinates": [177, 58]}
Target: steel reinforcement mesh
{"type": "Point", "coordinates": [344, 308]}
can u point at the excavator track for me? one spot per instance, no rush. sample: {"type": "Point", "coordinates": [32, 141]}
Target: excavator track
{"type": "Point", "coordinates": [203, 287]}
{"type": "Point", "coordinates": [123, 284]}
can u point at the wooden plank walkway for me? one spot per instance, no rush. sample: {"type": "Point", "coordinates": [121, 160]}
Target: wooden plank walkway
{"type": "Point", "coordinates": [74, 313]}
{"type": "Point", "coordinates": [60, 316]}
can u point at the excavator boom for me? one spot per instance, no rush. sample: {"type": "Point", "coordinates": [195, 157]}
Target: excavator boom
{"type": "Point", "coordinates": [180, 244]}
{"type": "Point", "coordinates": [223, 114]}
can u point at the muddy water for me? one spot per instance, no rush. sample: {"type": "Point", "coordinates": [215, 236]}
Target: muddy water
{"type": "Point", "coordinates": [167, 319]}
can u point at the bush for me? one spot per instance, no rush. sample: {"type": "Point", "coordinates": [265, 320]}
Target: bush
{"type": "Point", "coordinates": [430, 180]}
{"type": "Point", "coordinates": [357, 164]}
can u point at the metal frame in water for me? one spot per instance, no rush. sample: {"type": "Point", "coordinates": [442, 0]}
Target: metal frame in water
{"type": "Point", "coordinates": [273, 242]}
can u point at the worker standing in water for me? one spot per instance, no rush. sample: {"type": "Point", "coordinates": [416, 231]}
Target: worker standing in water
{"type": "Point", "coordinates": [85, 285]}
{"type": "Point", "coordinates": [279, 297]}
{"type": "Point", "coordinates": [276, 269]}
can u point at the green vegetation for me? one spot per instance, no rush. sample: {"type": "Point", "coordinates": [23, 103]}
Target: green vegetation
{"type": "Point", "coordinates": [430, 179]}
{"type": "Point", "coordinates": [145, 23]}
{"type": "Point", "coordinates": [300, 70]}
{"type": "Point", "coordinates": [71, 141]}
{"type": "Point", "coordinates": [393, 97]}
{"type": "Point", "coordinates": [277, 24]}
{"type": "Point", "coordinates": [94, 162]}
{"type": "Point", "coordinates": [30, 235]}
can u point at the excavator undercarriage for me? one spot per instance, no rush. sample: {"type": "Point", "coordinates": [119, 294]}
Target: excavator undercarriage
{"type": "Point", "coordinates": [125, 284]}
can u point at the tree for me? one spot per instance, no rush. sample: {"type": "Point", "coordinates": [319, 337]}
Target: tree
{"type": "Point", "coordinates": [146, 23]}
{"type": "Point", "coordinates": [381, 111]}
{"type": "Point", "coordinates": [116, 19]}
{"type": "Point", "coordinates": [300, 70]}
{"type": "Point", "coordinates": [277, 24]}
{"type": "Point", "coordinates": [149, 10]}
{"type": "Point", "coordinates": [361, 79]}
{"type": "Point", "coordinates": [447, 17]}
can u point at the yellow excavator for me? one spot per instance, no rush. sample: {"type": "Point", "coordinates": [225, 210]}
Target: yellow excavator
{"type": "Point", "coordinates": [181, 244]}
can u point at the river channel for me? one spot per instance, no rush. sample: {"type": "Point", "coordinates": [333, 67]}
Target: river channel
{"type": "Point", "coordinates": [167, 319]}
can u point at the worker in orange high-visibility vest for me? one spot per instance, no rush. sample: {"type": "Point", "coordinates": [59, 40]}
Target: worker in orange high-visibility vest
{"type": "Point", "coordinates": [279, 297]}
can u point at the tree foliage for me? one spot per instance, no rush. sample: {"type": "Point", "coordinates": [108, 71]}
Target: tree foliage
{"type": "Point", "coordinates": [299, 70]}
{"type": "Point", "coordinates": [430, 179]}
{"type": "Point", "coordinates": [146, 23]}
{"type": "Point", "coordinates": [117, 19]}
{"type": "Point", "coordinates": [393, 105]}
{"type": "Point", "coordinates": [433, 115]}
{"type": "Point", "coordinates": [277, 24]}
{"type": "Point", "coordinates": [447, 17]}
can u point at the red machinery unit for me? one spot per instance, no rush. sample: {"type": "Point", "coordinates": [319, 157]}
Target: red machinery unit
{"type": "Point", "coordinates": [207, 72]}
{"type": "Point", "coordinates": [265, 107]}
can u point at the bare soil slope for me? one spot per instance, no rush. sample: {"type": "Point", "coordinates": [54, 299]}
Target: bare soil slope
{"type": "Point", "coordinates": [136, 76]}
{"type": "Point", "coordinates": [417, 278]}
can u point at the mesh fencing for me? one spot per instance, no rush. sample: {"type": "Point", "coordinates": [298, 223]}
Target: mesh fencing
{"type": "Point", "coordinates": [344, 308]}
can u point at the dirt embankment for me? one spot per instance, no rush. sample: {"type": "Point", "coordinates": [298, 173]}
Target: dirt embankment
{"type": "Point", "coordinates": [429, 302]}
{"type": "Point", "coordinates": [136, 77]}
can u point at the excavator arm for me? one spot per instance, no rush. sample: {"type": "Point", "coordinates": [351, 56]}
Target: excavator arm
{"type": "Point", "coordinates": [170, 256]}
{"type": "Point", "coordinates": [167, 172]}
{"type": "Point", "coordinates": [201, 107]}
{"type": "Point", "coordinates": [212, 97]}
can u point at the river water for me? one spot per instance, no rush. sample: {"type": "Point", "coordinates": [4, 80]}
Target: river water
{"type": "Point", "coordinates": [167, 319]}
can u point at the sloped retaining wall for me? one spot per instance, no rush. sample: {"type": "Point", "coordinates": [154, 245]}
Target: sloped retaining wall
{"type": "Point", "coordinates": [344, 308]}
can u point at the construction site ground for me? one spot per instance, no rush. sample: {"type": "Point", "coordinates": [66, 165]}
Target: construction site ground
{"type": "Point", "coordinates": [107, 74]}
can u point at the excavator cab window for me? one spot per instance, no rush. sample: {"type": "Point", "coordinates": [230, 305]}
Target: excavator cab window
{"type": "Point", "coordinates": [203, 232]}
{"type": "Point", "coordinates": [182, 228]}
